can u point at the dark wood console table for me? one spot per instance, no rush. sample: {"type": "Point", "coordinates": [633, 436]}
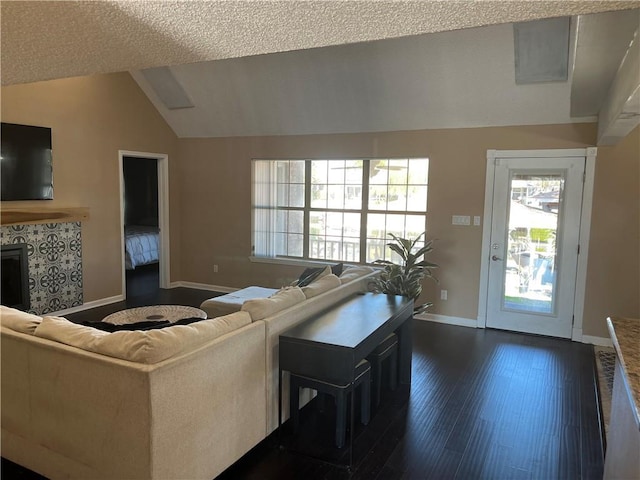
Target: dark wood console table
{"type": "Point", "coordinates": [330, 344]}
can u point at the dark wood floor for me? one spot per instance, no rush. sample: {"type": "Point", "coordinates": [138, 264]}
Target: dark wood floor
{"type": "Point", "coordinates": [482, 404]}
{"type": "Point", "coordinates": [142, 289]}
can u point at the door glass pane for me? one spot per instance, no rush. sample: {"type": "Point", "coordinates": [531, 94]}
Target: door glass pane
{"type": "Point", "coordinates": [530, 273]}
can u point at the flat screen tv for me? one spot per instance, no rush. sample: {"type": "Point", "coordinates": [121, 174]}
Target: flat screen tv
{"type": "Point", "coordinates": [26, 170]}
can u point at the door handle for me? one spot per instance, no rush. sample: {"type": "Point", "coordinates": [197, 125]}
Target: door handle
{"type": "Point", "coordinates": [495, 258]}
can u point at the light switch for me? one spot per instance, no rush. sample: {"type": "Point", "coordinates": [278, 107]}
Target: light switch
{"type": "Point", "coordinates": [476, 220]}
{"type": "Point", "coordinates": [460, 220]}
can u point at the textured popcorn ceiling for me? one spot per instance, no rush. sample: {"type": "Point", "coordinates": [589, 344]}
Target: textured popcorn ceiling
{"type": "Point", "coordinates": [56, 39]}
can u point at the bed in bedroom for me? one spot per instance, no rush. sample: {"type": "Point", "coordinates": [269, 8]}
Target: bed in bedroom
{"type": "Point", "coordinates": [141, 245]}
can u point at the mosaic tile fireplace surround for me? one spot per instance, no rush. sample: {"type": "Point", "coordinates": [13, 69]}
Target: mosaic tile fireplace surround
{"type": "Point", "coordinates": [54, 263]}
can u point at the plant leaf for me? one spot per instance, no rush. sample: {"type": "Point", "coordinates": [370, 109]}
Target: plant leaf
{"type": "Point", "coordinates": [398, 250]}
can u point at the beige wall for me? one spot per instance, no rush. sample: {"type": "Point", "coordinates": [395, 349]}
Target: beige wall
{"type": "Point", "coordinates": [210, 196]}
{"type": "Point", "coordinates": [613, 273]}
{"type": "Point", "coordinates": [91, 119]}
{"type": "Point", "coordinates": [216, 205]}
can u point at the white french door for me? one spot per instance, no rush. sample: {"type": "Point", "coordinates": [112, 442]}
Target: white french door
{"type": "Point", "coordinates": [534, 244]}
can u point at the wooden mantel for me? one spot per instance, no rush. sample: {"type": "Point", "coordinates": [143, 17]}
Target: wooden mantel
{"type": "Point", "coordinates": [31, 215]}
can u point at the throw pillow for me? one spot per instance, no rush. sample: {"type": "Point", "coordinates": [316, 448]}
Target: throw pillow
{"type": "Point", "coordinates": [311, 274]}
{"type": "Point", "coordinates": [308, 276]}
{"type": "Point", "coordinates": [337, 269]}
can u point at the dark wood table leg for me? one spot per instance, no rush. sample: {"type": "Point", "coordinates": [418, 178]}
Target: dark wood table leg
{"type": "Point", "coordinates": [352, 423]}
{"type": "Point", "coordinates": [405, 350]}
{"type": "Point", "coordinates": [280, 407]}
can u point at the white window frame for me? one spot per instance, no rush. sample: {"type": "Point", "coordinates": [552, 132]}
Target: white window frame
{"type": "Point", "coordinates": [364, 211]}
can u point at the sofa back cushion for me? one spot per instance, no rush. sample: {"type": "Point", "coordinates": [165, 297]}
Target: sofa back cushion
{"type": "Point", "coordinates": [148, 347]}
{"type": "Point", "coordinates": [321, 285]}
{"type": "Point", "coordinates": [19, 321]}
{"type": "Point", "coordinates": [261, 308]}
{"type": "Point", "coordinates": [351, 273]}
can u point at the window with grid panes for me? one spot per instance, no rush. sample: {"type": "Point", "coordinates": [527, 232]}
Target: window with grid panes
{"type": "Point", "coordinates": [337, 210]}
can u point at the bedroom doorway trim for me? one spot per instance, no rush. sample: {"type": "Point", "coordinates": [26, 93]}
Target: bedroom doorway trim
{"type": "Point", "coordinates": [163, 213]}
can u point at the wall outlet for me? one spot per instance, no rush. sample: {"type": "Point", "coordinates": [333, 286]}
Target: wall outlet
{"type": "Point", "coordinates": [443, 294]}
{"type": "Point", "coordinates": [476, 220]}
{"type": "Point", "coordinates": [215, 269]}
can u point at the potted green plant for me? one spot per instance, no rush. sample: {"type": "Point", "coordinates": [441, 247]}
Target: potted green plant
{"type": "Point", "coordinates": [405, 278]}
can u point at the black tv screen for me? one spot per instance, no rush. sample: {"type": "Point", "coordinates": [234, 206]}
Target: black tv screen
{"type": "Point", "coordinates": [26, 170]}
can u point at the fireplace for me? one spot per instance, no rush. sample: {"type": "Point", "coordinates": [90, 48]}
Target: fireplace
{"type": "Point", "coordinates": [15, 277]}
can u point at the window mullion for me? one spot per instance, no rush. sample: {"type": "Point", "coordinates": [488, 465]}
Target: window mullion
{"type": "Point", "coordinates": [388, 212]}
{"type": "Point", "coordinates": [307, 208]}
{"type": "Point", "coordinates": [364, 209]}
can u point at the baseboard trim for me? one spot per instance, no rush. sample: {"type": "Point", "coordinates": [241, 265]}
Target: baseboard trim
{"type": "Point", "coordinates": [458, 321]}
{"type": "Point", "coordinates": [576, 334]}
{"type": "Point", "coordinates": [86, 306]}
{"type": "Point", "coordinates": [467, 322]}
{"type": "Point", "coordinates": [599, 341]}
{"type": "Point", "coordinates": [203, 286]}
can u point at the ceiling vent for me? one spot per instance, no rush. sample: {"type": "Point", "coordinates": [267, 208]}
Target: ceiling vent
{"type": "Point", "coordinates": [542, 50]}
{"type": "Point", "coordinates": [167, 88]}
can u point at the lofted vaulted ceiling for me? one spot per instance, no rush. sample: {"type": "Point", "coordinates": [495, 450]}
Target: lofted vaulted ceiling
{"type": "Point", "coordinates": [463, 78]}
{"type": "Point", "coordinates": [289, 67]}
{"type": "Point", "coordinates": [455, 79]}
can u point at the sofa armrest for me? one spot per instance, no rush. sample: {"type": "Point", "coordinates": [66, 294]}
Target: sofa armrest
{"type": "Point", "coordinates": [69, 413]}
{"type": "Point", "coordinates": [209, 407]}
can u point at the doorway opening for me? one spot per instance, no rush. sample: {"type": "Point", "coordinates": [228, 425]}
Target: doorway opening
{"type": "Point", "coordinates": [144, 221]}
{"type": "Point", "coordinates": [535, 241]}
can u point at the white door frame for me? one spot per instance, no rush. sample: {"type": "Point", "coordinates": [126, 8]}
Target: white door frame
{"type": "Point", "coordinates": [163, 213]}
{"type": "Point", "coordinates": [589, 154]}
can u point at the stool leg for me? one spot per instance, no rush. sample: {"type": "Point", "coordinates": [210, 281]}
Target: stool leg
{"type": "Point", "coordinates": [365, 400]}
{"type": "Point", "coordinates": [341, 417]}
{"type": "Point", "coordinates": [393, 370]}
{"type": "Point", "coordinates": [377, 380]}
{"type": "Point", "coordinates": [321, 400]}
{"type": "Point", "coordinates": [294, 403]}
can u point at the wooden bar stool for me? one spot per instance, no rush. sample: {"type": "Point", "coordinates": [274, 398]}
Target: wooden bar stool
{"type": "Point", "coordinates": [387, 349]}
{"type": "Point", "coordinates": [339, 392]}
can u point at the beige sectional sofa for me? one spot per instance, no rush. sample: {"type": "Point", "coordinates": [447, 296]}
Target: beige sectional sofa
{"type": "Point", "coordinates": [185, 401]}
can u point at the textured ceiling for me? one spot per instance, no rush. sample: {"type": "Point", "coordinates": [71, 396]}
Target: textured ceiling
{"type": "Point", "coordinates": [56, 39]}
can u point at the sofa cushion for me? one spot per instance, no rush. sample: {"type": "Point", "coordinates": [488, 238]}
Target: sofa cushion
{"type": "Point", "coordinates": [260, 308]}
{"type": "Point", "coordinates": [351, 273]}
{"type": "Point", "coordinates": [321, 285]}
{"type": "Point", "coordinates": [148, 347]}
{"type": "Point", "coordinates": [19, 321]}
